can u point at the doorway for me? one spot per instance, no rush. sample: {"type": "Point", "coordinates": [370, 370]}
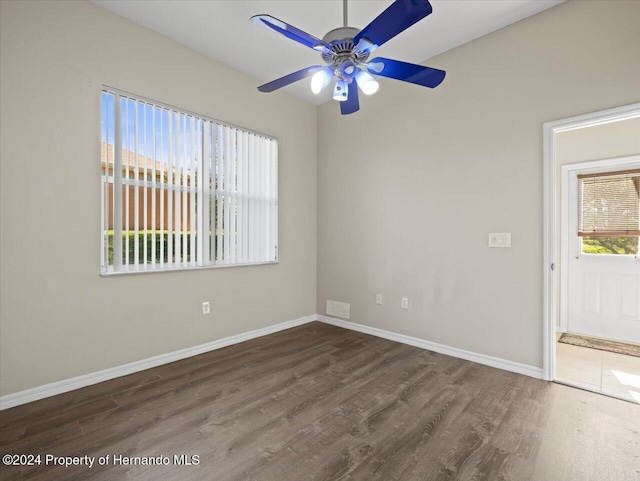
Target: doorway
{"type": "Point", "coordinates": [599, 331]}
{"type": "Point", "coordinates": [600, 282]}
{"type": "Point", "coordinates": [589, 296]}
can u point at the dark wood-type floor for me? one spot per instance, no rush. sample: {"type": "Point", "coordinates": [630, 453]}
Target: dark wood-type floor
{"type": "Point", "coordinates": [322, 403]}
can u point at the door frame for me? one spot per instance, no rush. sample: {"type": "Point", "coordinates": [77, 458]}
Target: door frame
{"type": "Point", "coordinates": [605, 165]}
{"type": "Point", "coordinates": [549, 234]}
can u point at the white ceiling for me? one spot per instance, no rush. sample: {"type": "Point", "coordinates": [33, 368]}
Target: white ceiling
{"type": "Point", "coordinates": [221, 29]}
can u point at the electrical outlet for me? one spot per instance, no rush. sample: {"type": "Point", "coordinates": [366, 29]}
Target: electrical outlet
{"type": "Point", "coordinates": [379, 299]}
{"type": "Point", "coordinates": [404, 303]}
{"type": "Point", "coordinates": [206, 308]}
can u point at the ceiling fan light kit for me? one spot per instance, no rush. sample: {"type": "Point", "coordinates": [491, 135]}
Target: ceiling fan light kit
{"type": "Point", "coordinates": [367, 83]}
{"type": "Point", "coordinates": [341, 90]}
{"type": "Point", "coordinates": [346, 50]}
{"type": "Point", "coordinates": [321, 79]}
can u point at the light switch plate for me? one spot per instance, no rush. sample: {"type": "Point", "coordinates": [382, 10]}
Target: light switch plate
{"type": "Point", "coordinates": [500, 239]}
{"type": "Point", "coordinates": [206, 308]}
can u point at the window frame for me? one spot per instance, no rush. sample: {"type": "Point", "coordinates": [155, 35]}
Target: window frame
{"type": "Point", "coordinates": [598, 176]}
{"type": "Point", "coordinates": [107, 269]}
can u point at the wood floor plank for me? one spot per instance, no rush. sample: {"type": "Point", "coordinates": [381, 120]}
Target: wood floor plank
{"type": "Point", "coordinates": [40, 442]}
{"type": "Point", "coordinates": [10, 473]}
{"type": "Point", "coordinates": [56, 404]}
{"type": "Point", "coordinates": [458, 452]}
{"type": "Point", "coordinates": [251, 363]}
{"type": "Point", "coordinates": [198, 398]}
{"type": "Point", "coordinates": [54, 419]}
{"type": "Point", "coordinates": [365, 396]}
{"type": "Point", "coordinates": [321, 403]}
{"type": "Point", "coordinates": [280, 436]}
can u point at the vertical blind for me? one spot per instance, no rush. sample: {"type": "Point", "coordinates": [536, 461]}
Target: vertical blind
{"type": "Point", "coordinates": [609, 204]}
{"type": "Point", "coordinates": [183, 191]}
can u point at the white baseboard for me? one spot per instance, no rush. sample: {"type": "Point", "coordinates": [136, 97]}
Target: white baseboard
{"type": "Point", "coordinates": [22, 397]}
{"type": "Point", "coordinates": [504, 364]}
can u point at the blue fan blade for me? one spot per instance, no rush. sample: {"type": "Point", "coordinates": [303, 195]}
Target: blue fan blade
{"type": "Point", "coordinates": [399, 16]}
{"type": "Point", "coordinates": [352, 103]}
{"type": "Point", "coordinates": [289, 79]}
{"type": "Point", "coordinates": [290, 31]}
{"type": "Point", "coordinates": [407, 72]}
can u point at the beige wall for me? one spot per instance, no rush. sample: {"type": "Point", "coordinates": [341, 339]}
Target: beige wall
{"type": "Point", "coordinates": [607, 141]}
{"type": "Point", "coordinates": [410, 186]}
{"type": "Point", "coordinates": [59, 318]}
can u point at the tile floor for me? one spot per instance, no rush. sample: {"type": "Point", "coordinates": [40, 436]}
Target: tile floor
{"type": "Point", "coordinates": [609, 373]}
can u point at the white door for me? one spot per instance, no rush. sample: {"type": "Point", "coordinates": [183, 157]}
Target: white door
{"type": "Point", "coordinates": [603, 292]}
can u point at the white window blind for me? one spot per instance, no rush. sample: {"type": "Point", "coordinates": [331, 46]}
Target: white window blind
{"type": "Point", "coordinates": [609, 204]}
{"type": "Point", "coordinates": [183, 191]}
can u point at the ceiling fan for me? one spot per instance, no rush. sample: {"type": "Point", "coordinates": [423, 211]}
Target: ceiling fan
{"type": "Point", "coordinates": [345, 52]}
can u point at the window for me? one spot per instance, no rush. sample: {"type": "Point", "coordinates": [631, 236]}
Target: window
{"type": "Point", "coordinates": [187, 191]}
{"type": "Point", "coordinates": [609, 212]}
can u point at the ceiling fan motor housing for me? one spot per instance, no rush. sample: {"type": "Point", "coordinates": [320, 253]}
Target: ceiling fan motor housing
{"type": "Point", "coordinates": [343, 50]}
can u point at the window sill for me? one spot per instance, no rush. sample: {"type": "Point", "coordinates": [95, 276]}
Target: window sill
{"type": "Point", "coordinates": [180, 269]}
